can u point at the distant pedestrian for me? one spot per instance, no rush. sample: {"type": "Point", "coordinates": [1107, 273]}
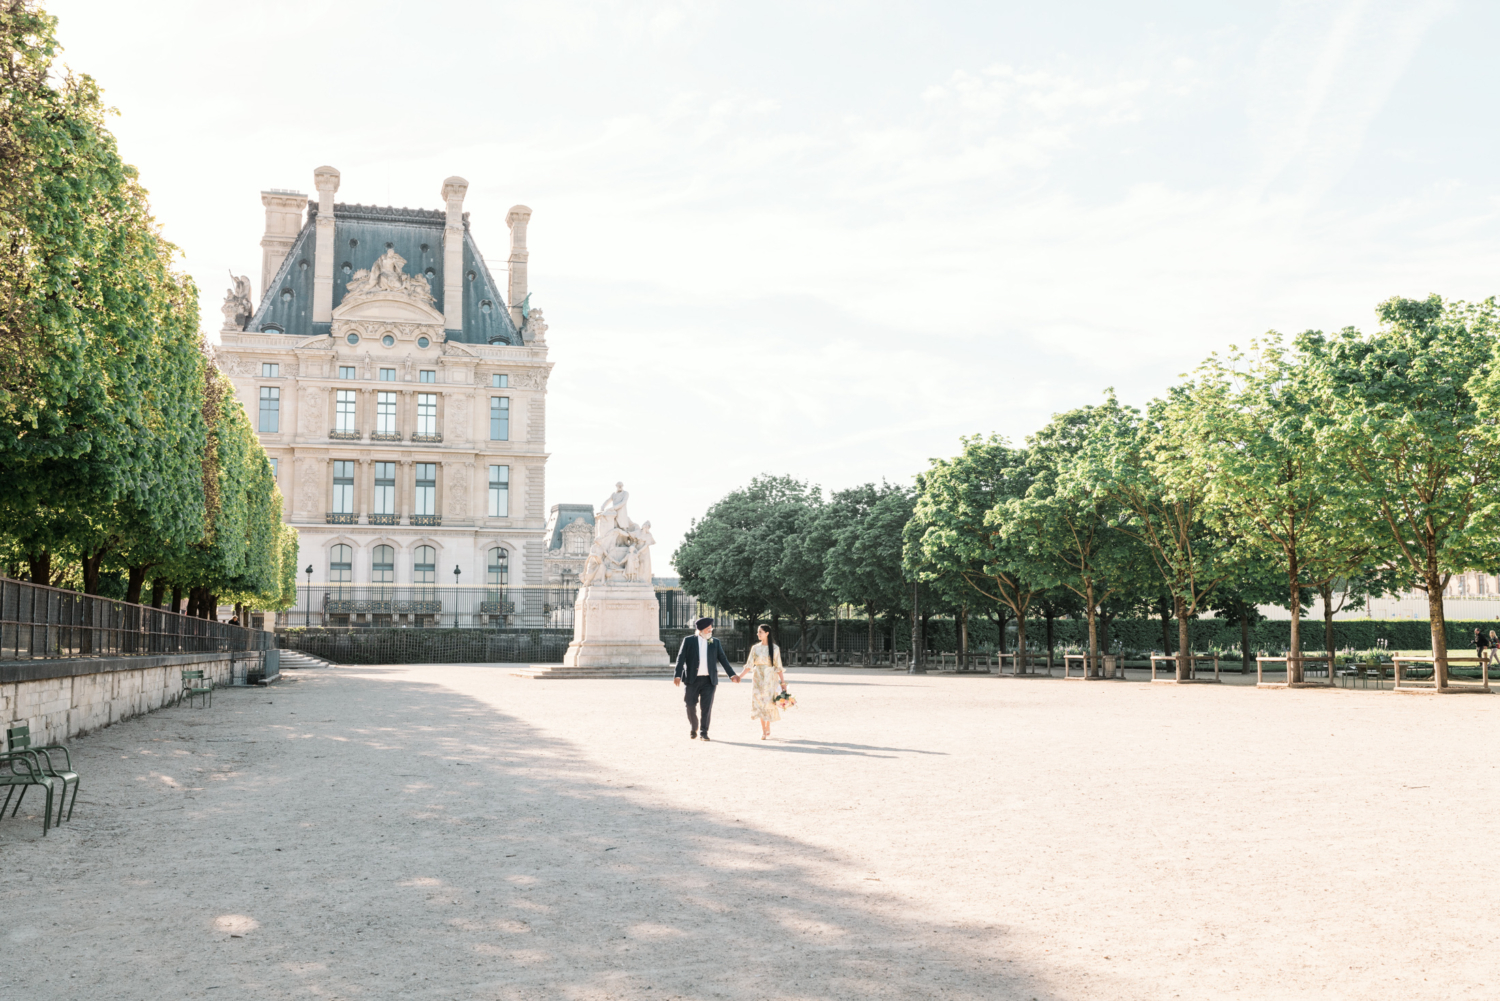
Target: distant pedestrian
{"type": "Point", "coordinates": [1494, 648]}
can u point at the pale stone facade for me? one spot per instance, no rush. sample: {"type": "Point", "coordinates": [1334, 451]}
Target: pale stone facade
{"type": "Point", "coordinates": [402, 400]}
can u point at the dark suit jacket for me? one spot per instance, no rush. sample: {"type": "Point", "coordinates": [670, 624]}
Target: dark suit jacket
{"type": "Point", "coordinates": [687, 659]}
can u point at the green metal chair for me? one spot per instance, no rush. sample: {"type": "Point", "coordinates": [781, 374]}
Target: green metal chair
{"type": "Point", "coordinates": [20, 770]}
{"type": "Point", "coordinates": [18, 740]}
{"type": "Point", "coordinates": [193, 684]}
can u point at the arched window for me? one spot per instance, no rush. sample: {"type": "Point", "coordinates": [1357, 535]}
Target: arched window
{"type": "Point", "coordinates": [424, 569]}
{"type": "Point", "coordinates": [340, 560]}
{"type": "Point", "coordinates": [383, 565]}
{"type": "Point", "coordinates": [499, 567]}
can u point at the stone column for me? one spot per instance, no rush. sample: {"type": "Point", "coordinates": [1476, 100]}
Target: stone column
{"type": "Point", "coordinates": [283, 222]}
{"type": "Point", "coordinates": [516, 219]}
{"type": "Point", "coordinates": [404, 492]}
{"type": "Point", "coordinates": [454, 189]}
{"type": "Point", "coordinates": [327, 181]}
{"type": "Point", "coordinates": [364, 489]}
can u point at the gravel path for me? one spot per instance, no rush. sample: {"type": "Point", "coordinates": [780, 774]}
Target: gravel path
{"type": "Point", "coordinates": [455, 832]}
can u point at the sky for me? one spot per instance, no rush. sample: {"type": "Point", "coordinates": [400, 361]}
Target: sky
{"type": "Point", "coordinates": [827, 239]}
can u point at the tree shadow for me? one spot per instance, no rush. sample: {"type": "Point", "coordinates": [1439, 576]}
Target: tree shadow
{"type": "Point", "coordinates": [425, 845]}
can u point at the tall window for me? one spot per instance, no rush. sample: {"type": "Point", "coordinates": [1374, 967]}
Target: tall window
{"type": "Point", "coordinates": [499, 418]}
{"type": "Point", "coordinates": [385, 488]}
{"type": "Point", "coordinates": [270, 370]}
{"type": "Point", "coordinates": [346, 372]}
{"type": "Point", "coordinates": [426, 488]}
{"type": "Point", "coordinates": [340, 564]}
{"type": "Point", "coordinates": [498, 381]}
{"type": "Point", "coordinates": [387, 375]}
{"type": "Point", "coordinates": [275, 466]}
{"type": "Point", "coordinates": [427, 375]}
{"type": "Point", "coordinates": [426, 413]}
{"type": "Point", "coordinates": [383, 565]}
{"type": "Point", "coordinates": [343, 486]}
{"type": "Point", "coordinates": [344, 411]}
{"type": "Point", "coordinates": [424, 565]}
{"type": "Point", "coordinates": [270, 409]}
{"type": "Point", "coordinates": [499, 491]}
{"type": "Point", "coordinates": [499, 567]}
{"type": "Point", "coordinates": [385, 413]}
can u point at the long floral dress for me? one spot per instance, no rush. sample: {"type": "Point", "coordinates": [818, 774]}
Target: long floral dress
{"type": "Point", "coordinates": [762, 706]}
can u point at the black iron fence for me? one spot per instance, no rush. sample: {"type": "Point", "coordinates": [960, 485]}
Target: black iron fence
{"type": "Point", "coordinates": [39, 622]}
{"type": "Point", "coordinates": [374, 645]}
{"type": "Point", "coordinates": [375, 606]}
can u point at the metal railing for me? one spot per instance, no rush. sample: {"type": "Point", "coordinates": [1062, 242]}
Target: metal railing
{"type": "Point", "coordinates": [38, 622]}
{"type": "Point", "coordinates": [435, 605]}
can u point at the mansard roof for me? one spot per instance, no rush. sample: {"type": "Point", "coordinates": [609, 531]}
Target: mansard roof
{"type": "Point", "coordinates": [362, 233]}
{"type": "Point", "coordinates": [562, 516]}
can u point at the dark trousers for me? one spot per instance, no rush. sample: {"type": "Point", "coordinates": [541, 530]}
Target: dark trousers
{"type": "Point", "coordinates": [699, 689]}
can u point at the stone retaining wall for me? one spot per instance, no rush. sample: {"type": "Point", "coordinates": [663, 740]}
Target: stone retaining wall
{"type": "Point", "coordinates": [61, 699]}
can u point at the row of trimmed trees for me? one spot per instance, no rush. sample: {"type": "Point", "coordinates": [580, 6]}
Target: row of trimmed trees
{"type": "Point", "coordinates": [1349, 464]}
{"type": "Point", "coordinates": [124, 456]}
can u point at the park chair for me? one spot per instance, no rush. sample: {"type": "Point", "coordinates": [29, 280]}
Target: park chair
{"type": "Point", "coordinates": [20, 770]}
{"type": "Point", "coordinates": [193, 684]}
{"type": "Point", "coordinates": [18, 740]}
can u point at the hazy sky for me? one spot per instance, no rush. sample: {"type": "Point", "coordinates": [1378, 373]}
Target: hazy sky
{"type": "Point", "coordinates": [827, 238]}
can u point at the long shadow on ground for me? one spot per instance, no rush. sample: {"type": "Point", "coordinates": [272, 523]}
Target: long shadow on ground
{"type": "Point", "coordinates": [376, 838]}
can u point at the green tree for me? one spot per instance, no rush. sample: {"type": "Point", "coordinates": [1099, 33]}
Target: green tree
{"type": "Point", "coordinates": [863, 564]}
{"type": "Point", "coordinates": [1413, 417]}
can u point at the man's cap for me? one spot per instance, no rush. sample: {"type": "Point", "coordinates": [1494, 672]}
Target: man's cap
{"type": "Point", "coordinates": [703, 624]}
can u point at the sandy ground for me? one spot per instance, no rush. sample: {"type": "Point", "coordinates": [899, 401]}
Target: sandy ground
{"type": "Point", "coordinates": [455, 832]}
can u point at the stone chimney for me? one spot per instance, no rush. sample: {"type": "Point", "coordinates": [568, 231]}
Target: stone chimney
{"type": "Point", "coordinates": [283, 223]}
{"type": "Point", "coordinates": [326, 180]}
{"type": "Point", "coordinates": [516, 219]}
{"type": "Point", "coordinates": [454, 189]}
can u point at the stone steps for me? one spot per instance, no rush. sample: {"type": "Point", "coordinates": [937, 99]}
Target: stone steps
{"type": "Point", "coordinates": [552, 672]}
{"type": "Point", "coordinates": [296, 660]}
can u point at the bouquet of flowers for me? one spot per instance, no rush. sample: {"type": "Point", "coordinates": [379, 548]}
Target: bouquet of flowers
{"type": "Point", "coordinates": [784, 700]}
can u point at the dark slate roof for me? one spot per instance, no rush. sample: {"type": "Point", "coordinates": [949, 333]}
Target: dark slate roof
{"type": "Point", "coordinates": [362, 233]}
{"type": "Point", "coordinates": [564, 515]}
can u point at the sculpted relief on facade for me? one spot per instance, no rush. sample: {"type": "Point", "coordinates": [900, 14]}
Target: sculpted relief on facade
{"type": "Point", "coordinates": [312, 412]}
{"type": "Point", "coordinates": [387, 274]}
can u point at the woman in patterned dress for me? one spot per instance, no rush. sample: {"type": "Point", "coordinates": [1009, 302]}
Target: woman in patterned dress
{"type": "Point", "coordinates": [764, 664]}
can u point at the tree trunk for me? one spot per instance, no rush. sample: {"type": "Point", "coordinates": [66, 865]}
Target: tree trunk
{"type": "Point", "coordinates": [1001, 620]}
{"type": "Point", "coordinates": [1020, 644]}
{"type": "Point", "coordinates": [134, 583]}
{"type": "Point", "coordinates": [92, 564]}
{"type": "Point", "coordinates": [41, 567]}
{"type": "Point", "coordinates": [1184, 641]}
{"type": "Point", "coordinates": [870, 634]}
{"type": "Point", "coordinates": [915, 663]}
{"type": "Point", "coordinates": [1326, 593]}
{"type": "Point", "coordinates": [1294, 650]}
{"type": "Point", "coordinates": [838, 610]}
{"type": "Point", "coordinates": [1093, 628]}
{"type": "Point", "coordinates": [1435, 585]}
{"type": "Point", "coordinates": [963, 638]}
{"type": "Point", "coordinates": [177, 598]}
{"type": "Point", "coordinates": [802, 638]}
{"type": "Point", "coordinates": [1244, 641]}
{"type": "Point", "coordinates": [211, 608]}
{"type": "Point", "coordinates": [1050, 615]}
{"type": "Point", "coordinates": [158, 592]}
{"type": "Point", "coordinates": [1166, 625]}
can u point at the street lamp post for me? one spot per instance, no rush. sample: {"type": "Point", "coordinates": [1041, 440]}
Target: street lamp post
{"type": "Point", "coordinates": [456, 572]}
{"type": "Point", "coordinates": [307, 620]}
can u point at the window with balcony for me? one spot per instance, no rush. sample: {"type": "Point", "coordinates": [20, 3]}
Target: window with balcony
{"type": "Point", "coordinates": [499, 418]}
{"type": "Point", "coordinates": [270, 409]}
{"type": "Point", "coordinates": [427, 375]}
{"type": "Point", "coordinates": [499, 491]}
{"type": "Point", "coordinates": [424, 565]}
{"type": "Point", "coordinates": [385, 418]}
{"type": "Point", "coordinates": [498, 381]}
{"type": "Point", "coordinates": [340, 564]}
{"type": "Point", "coordinates": [385, 494]}
{"type": "Point", "coordinates": [425, 500]}
{"type": "Point", "coordinates": [347, 372]}
{"type": "Point", "coordinates": [383, 565]}
{"type": "Point", "coordinates": [427, 413]}
{"type": "Point", "coordinates": [343, 493]}
{"type": "Point", "coordinates": [387, 375]}
{"type": "Point", "coordinates": [344, 414]}
{"type": "Point", "coordinates": [270, 370]}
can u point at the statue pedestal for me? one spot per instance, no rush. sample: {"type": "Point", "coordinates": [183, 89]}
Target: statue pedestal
{"type": "Point", "coordinates": [617, 625]}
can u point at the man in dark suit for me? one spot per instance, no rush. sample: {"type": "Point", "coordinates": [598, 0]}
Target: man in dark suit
{"type": "Point", "coordinates": [698, 660]}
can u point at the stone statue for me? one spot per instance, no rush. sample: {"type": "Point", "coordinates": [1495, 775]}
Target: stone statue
{"type": "Point", "coordinates": [366, 372]}
{"type": "Point", "coordinates": [622, 549]}
{"type": "Point", "coordinates": [388, 274]}
{"type": "Point", "coordinates": [616, 617]}
{"type": "Point", "coordinates": [614, 508]}
{"type": "Point", "coordinates": [237, 306]}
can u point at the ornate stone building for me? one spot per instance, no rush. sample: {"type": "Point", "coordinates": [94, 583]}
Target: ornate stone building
{"type": "Point", "coordinates": [399, 390]}
{"type": "Point", "coordinates": [568, 536]}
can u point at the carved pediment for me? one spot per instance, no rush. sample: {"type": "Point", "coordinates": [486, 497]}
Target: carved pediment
{"type": "Point", "coordinates": [386, 307]}
{"type": "Point", "coordinates": [386, 292]}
